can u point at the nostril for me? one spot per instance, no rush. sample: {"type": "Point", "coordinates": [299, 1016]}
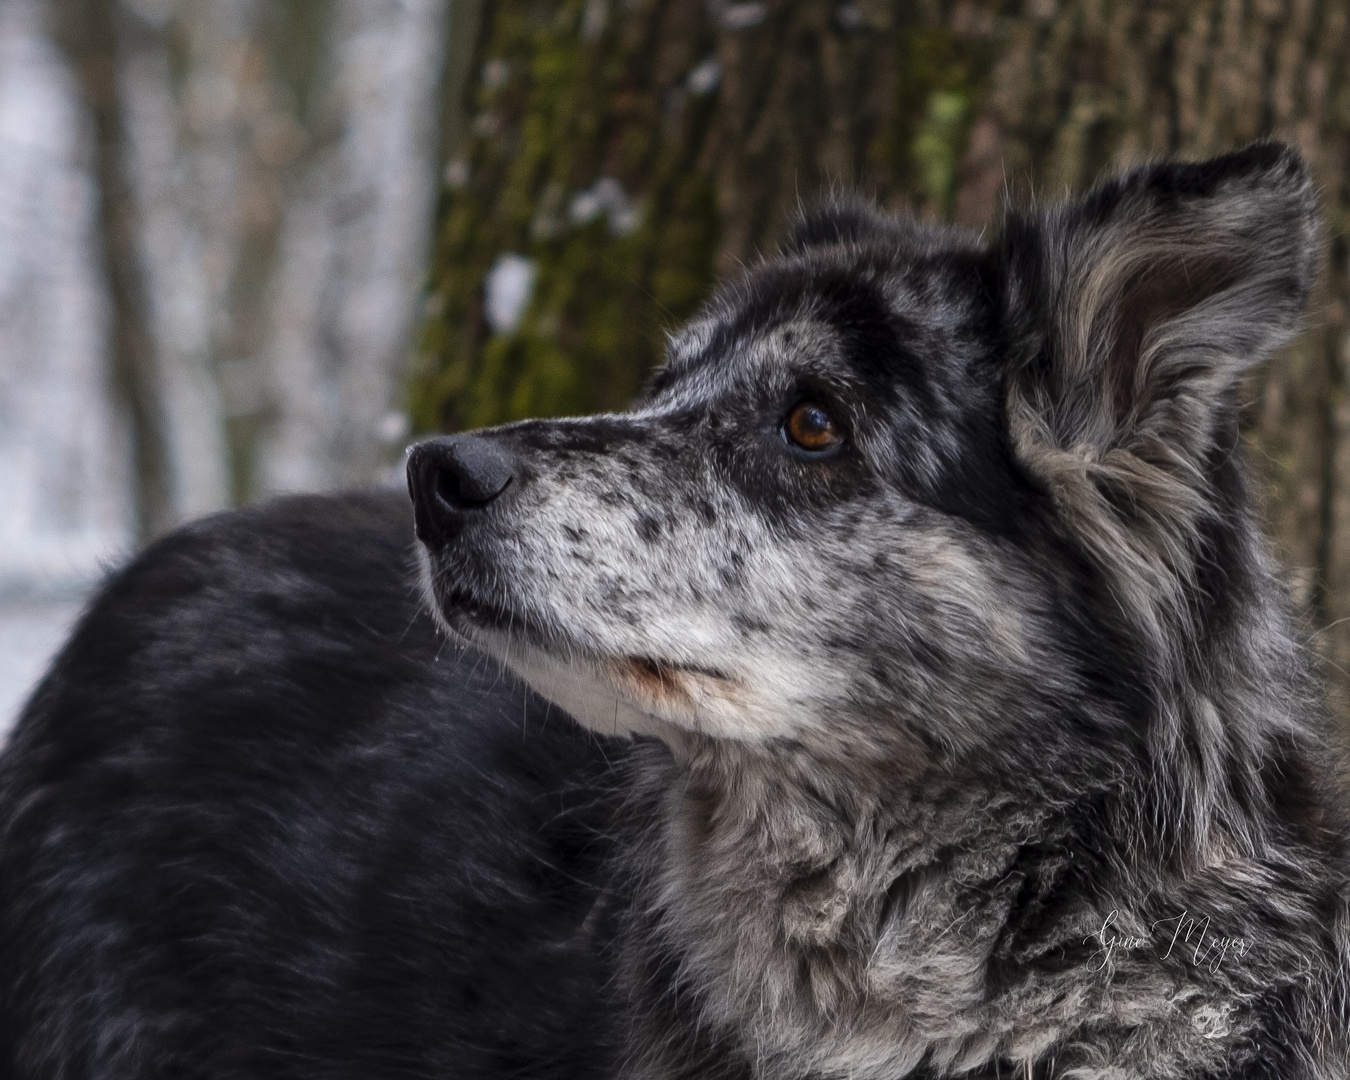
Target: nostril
{"type": "Point", "coordinates": [445, 483]}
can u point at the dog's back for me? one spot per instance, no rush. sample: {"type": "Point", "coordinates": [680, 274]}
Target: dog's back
{"type": "Point", "coordinates": [262, 820]}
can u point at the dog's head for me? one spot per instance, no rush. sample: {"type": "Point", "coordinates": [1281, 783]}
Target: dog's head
{"type": "Point", "coordinates": [898, 492]}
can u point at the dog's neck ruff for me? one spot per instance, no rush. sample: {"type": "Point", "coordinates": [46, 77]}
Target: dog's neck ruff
{"type": "Point", "coordinates": [836, 932]}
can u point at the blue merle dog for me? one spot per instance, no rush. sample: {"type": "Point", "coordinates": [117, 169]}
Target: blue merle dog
{"type": "Point", "coordinates": [935, 708]}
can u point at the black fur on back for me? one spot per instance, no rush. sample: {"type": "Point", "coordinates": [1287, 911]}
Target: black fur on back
{"type": "Point", "coordinates": [262, 820]}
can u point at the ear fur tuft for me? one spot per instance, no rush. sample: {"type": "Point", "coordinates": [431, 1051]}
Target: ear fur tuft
{"type": "Point", "coordinates": [1136, 310]}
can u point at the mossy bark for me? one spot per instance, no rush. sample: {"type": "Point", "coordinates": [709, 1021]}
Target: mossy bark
{"type": "Point", "coordinates": [939, 106]}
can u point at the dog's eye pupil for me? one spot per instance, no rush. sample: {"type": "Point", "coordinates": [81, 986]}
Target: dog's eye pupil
{"type": "Point", "coordinates": [810, 427]}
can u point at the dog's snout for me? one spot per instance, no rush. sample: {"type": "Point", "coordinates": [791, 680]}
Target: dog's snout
{"type": "Point", "coordinates": [449, 479]}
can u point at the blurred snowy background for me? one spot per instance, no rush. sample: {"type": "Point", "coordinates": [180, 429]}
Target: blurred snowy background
{"type": "Point", "coordinates": [213, 216]}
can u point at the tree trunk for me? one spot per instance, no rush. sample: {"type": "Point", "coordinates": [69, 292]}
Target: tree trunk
{"type": "Point", "coordinates": [188, 137]}
{"type": "Point", "coordinates": [91, 33]}
{"type": "Point", "coordinates": [716, 118]}
{"type": "Point", "coordinates": [184, 163]}
{"type": "Point", "coordinates": [351, 251]}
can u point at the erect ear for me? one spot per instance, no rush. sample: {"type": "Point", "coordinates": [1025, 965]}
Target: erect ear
{"type": "Point", "coordinates": [1136, 309]}
{"type": "Point", "coordinates": [843, 218]}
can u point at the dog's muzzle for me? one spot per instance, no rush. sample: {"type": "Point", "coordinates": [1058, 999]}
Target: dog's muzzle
{"type": "Point", "coordinates": [453, 478]}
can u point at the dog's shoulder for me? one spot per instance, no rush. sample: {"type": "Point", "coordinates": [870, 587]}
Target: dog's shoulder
{"type": "Point", "coordinates": [303, 597]}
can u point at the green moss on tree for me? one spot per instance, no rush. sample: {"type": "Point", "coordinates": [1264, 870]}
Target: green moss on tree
{"type": "Point", "coordinates": [553, 114]}
{"type": "Point", "coordinates": [712, 169]}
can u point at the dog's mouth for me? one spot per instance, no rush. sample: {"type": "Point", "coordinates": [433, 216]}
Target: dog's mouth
{"type": "Point", "coordinates": [663, 681]}
{"type": "Point", "coordinates": [460, 608]}
{"type": "Point", "coordinates": [663, 686]}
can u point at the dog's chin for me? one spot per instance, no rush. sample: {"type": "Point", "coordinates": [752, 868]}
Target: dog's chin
{"type": "Point", "coordinates": [584, 687]}
{"type": "Point", "coordinates": [612, 695]}
{"type": "Point", "coordinates": [620, 695]}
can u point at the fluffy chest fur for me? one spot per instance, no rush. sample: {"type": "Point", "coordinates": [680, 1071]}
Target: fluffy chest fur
{"type": "Point", "coordinates": [937, 931]}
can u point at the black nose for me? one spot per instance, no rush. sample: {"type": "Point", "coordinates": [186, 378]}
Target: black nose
{"type": "Point", "coordinates": [450, 478]}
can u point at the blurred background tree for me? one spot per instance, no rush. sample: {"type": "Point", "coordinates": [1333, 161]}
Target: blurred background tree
{"type": "Point", "coordinates": [214, 222]}
{"type": "Point", "coordinates": [606, 159]}
{"type": "Point", "coordinates": [266, 174]}
{"type": "Point", "coordinates": [249, 246]}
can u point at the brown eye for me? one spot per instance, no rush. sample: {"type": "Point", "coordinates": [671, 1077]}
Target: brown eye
{"type": "Point", "coordinates": [812, 428]}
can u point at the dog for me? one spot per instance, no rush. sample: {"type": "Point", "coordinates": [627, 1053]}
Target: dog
{"type": "Point", "coordinates": [902, 688]}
